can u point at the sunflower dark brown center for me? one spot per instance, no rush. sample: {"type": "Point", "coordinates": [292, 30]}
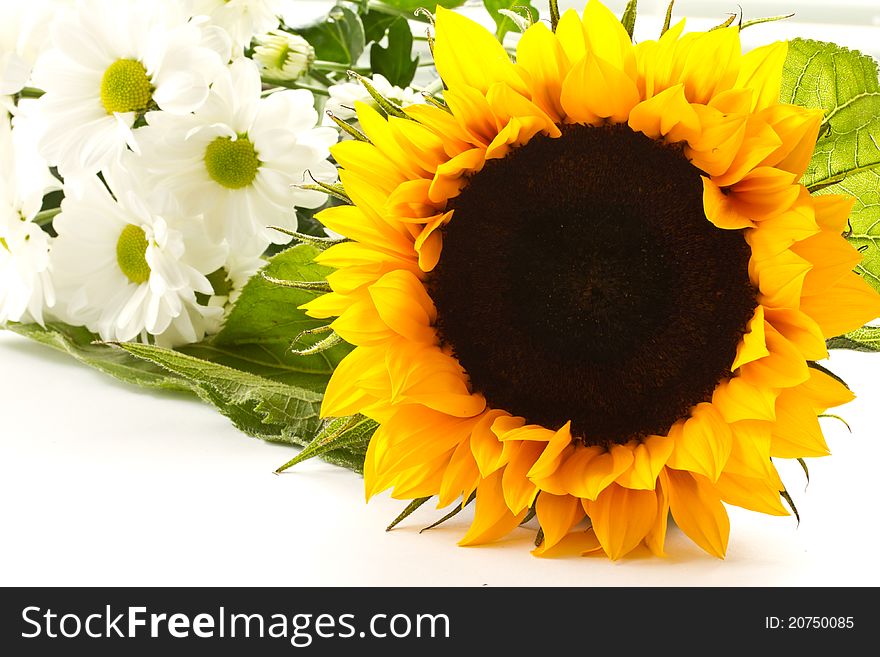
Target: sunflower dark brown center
{"type": "Point", "coordinates": [580, 280]}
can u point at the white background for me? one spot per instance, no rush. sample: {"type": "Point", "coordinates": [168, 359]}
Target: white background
{"type": "Point", "coordinates": [106, 484]}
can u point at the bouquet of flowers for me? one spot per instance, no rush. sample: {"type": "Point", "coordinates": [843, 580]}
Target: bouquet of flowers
{"type": "Point", "coordinates": [553, 271]}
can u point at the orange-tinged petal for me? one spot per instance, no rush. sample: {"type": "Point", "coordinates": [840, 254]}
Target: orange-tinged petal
{"type": "Point", "coordinates": [832, 258]}
{"type": "Point", "coordinates": [551, 457]}
{"type": "Point", "coordinates": [775, 235]}
{"type": "Point", "coordinates": [800, 330]}
{"type": "Point", "coordinates": [378, 128]}
{"type": "Point", "coordinates": [423, 374]}
{"type": "Point", "coordinates": [721, 210]}
{"type": "Point", "coordinates": [750, 493]}
{"type": "Point", "coordinates": [784, 367]}
{"type": "Point", "coordinates": [492, 518]}
{"type": "Point", "coordinates": [351, 221]}
{"type": "Point", "coordinates": [420, 144]}
{"type": "Point", "coordinates": [736, 399]}
{"type": "Point", "coordinates": [429, 243]}
{"type": "Point", "coordinates": [402, 302]}
{"type": "Point", "coordinates": [760, 141]}
{"type": "Point", "coordinates": [796, 432]}
{"type": "Point", "coordinates": [750, 450]}
{"type": "Point", "coordinates": [753, 345]}
{"type": "Point", "coordinates": [486, 448]}
{"type": "Point", "coordinates": [365, 159]}
{"type": "Point", "coordinates": [451, 177]}
{"type": "Point", "coordinates": [655, 539]}
{"type": "Point", "coordinates": [668, 114]}
{"type": "Point", "coordinates": [703, 80]}
{"type": "Point", "coordinates": [361, 325]}
{"type": "Point", "coordinates": [761, 70]}
{"type": "Point", "coordinates": [592, 473]}
{"type": "Point", "coordinates": [798, 129]}
{"type": "Point", "coordinates": [621, 518]}
{"type": "Point", "coordinates": [455, 138]}
{"type": "Point", "coordinates": [697, 509]}
{"type": "Point", "coordinates": [702, 442]}
{"type": "Point", "coordinates": [846, 306]}
{"type": "Point", "coordinates": [543, 58]}
{"type": "Point", "coordinates": [780, 278]}
{"type": "Point", "coordinates": [557, 514]}
{"type": "Point", "coordinates": [594, 89]}
{"type": "Point", "coordinates": [504, 424]}
{"type": "Point", "coordinates": [519, 490]}
{"type": "Point", "coordinates": [409, 202]}
{"type": "Point", "coordinates": [507, 104]}
{"type": "Point", "coordinates": [649, 458]}
{"type": "Point", "coordinates": [471, 109]}
{"type": "Point", "coordinates": [460, 476]}
{"type": "Point", "coordinates": [356, 254]}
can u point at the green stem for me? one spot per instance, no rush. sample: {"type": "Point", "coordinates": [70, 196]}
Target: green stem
{"type": "Point", "coordinates": [289, 84]}
{"type": "Point", "coordinates": [46, 216]}
{"type": "Point", "coordinates": [323, 65]}
{"type": "Point", "coordinates": [382, 8]}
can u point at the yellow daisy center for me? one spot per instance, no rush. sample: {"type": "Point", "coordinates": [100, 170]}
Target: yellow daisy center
{"type": "Point", "coordinates": [602, 294]}
{"type": "Point", "coordinates": [232, 163]}
{"type": "Point", "coordinates": [131, 254]}
{"type": "Point", "coordinates": [126, 87]}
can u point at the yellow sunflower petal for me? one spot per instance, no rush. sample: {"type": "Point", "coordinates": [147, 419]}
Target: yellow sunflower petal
{"type": "Point", "coordinates": [798, 129]}
{"type": "Point", "coordinates": [571, 35]}
{"type": "Point", "coordinates": [668, 114]}
{"type": "Point", "coordinates": [832, 258]}
{"type": "Point", "coordinates": [709, 63]}
{"type": "Point", "coordinates": [702, 442]}
{"type": "Point", "coordinates": [429, 243]}
{"type": "Point", "coordinates": [576, 543]}
{"type": "Point", "coordinates": [800, 330]}
{"type": "Point", "coordinates": [594, 89]}
{"type": "Point", "coordinates": [655, 539]}
{"type": "Point", "coordinates": [649, 458]}
{"type": "Point", "coordinates": [784, 367]}
{"type": "Point", "coordinates": [593, 472]}
{"type": "Point", "coordinates": [359, 380]}
{"type": "Point", "coordinates": [846, 306]}
{"type": "Point", "coordinates": [796, 432]}
{"type": "Point", "coordinates": [761, 71]}
{"type": "Point", "coordinates": [823, 391]}
{"type": "Point", "coordinates": [607, 39]}
{"type": "Point", "coordinates": [832, 211]}
{"type": "Point", "coordinates": [754, 344]}
{"type": "Point", "coordinates": [519, 490]}
{"type": "Point", "coordinates": [460, 42]}
{"type": "Point", "coordinates": [622, 518]}
{"type": "Point", "coordinates": [492, 518]}
{"type": "Point", "coordinates": [780, 278]}
{"type": "Point", "coordinates": [452, 176]}
{"type": "Point", "coordinates": [361, 325]}
{"type": "Point", "coordinates": [403, 304]}
{"type": "Point", "coordinates": [697, 509]}
{"type": "Point", "coordinates": [721, 210]}
{"type": "Point", "coordinates": [460, 476]}
{"type": "Point", "coordinates": [738, 400]}
{"type": "Point", "coordinates": [543, 58]}
{"type": "Point", "coordinates": [750, 493]}
{"type": "Point", "coordinates": [488, 451]}
{"type": "Point", "coordinates": [552, 455]}
{"type": "Point", "coordinates": [557, 514]}
{"type": "Point", "coordinates": [750, 450]}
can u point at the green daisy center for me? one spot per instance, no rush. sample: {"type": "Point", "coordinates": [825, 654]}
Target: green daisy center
{"type": "Point", "coordinates": [131, 254]}
{"type": "Point", "coordinates": [233, 164]}
{"type": "Point", "coordinates": [126, 87]}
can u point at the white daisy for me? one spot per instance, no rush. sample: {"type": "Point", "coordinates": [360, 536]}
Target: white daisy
{"type": "Point", "coordinates": [283, 56]}
{"type": "Point", "coordinates": [112, 62]}
{"type": "Point", "coordinates": [124, 270]}
{"type": "Point", "coordinates": [25, 282]}
{"type": "Point", "coordinates": [24, 33]}
{"type": "Point", "coordinates": [344, 95]}
{"type": "Point", "coordinates": [242, 19]}
{"type": "Point", "coordinates": [239, 159]}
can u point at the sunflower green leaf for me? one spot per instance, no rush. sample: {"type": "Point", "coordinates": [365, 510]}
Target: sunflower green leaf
{"type": "Point", "coordinates": [395, 62]}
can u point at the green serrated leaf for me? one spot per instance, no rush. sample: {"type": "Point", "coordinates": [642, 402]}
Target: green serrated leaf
{"type": "Point", "coordinates": [865, 339]}
{"type": "Point", "coordinates": [396, 61]}
{"type": "Point", "coordinates": [350, 434]}
{"type": "Point", "coordinates": [502, 22]}
{"type": "Point", "coordinates": [85, 346]}
{"type": "Point", "coordinates": [339, 37]}
{"type": "Point", "coordinates": [844, 83]}
{"type": "Point", "coordinates": [257, 335]}
{"type": "Point", "coordinates": [258, 406]}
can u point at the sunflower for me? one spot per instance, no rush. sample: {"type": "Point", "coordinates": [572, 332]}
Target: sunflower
{"type": "Point", "coordinates": [589, 285]}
